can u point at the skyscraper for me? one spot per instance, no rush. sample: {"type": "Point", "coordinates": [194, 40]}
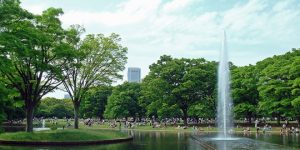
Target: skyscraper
{"type": "Point", "coordinates": [67, 96]}
{"type": "Point", "coordinates": [134, 74]}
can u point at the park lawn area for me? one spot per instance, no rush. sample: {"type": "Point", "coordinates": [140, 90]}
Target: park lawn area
{"type": "Point", "coordinates": [174, 129]}
{"type": "Point", "coordinates": [64, 135]}
{"type": "Point", "coordinates": [62, 122]}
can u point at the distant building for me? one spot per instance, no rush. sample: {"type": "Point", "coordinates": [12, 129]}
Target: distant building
{"type": "Point", "coordinates": [134, 74]}
{"type": "Point", "coordinates": [67, 96]}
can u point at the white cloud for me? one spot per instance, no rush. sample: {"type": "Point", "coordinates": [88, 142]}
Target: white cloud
{"type": "Point", "coordinates": [282, 5]}
{"type": "Point", "coordinates": [175, 5]}
{"type": "Point", "coordinates": [35, 8]}
{"type": "Point", "coordinates": [256, 29]}
{"type": "Point", "coordinates": [130, 12]}
{"type": "Point", "coordinates": [150, 28]}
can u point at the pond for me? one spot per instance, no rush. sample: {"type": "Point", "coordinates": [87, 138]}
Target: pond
{"type": "Point", "coordinates": [145, 140]}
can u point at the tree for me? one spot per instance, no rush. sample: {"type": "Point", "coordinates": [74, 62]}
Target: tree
{"type": "Point", "coordinates": [244, 91]}
{"type": "Point", "coordinates": [95, 101]}
{"type": "Point", "coordinates": [123, 101]}
{"type": "Point", "coordinates": [204, 109]}
{"type": "Point", "coordinates": [278, 85]}
{"type": "Point", "coordinates": [99, 61]}
{"type": "Point", "coordinates": [33, 52]}
{"type": "Point", "coordinates": [52, 107]}
{"type": "Point", "coordinates": [11, 106]}
{"type": "Point", "coordinates": [183, 82]}
{"type": "Point", "coordinates": [295, 84]}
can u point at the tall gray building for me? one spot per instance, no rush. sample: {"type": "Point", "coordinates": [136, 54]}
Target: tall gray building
{"type": "Point", "coordinates": [134, 74]}
{"type": "Point", "coordinates": [67, 96]}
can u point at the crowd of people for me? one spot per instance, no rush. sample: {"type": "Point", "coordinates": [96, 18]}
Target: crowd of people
{"type": "Point", "coordinates": [197, 124]}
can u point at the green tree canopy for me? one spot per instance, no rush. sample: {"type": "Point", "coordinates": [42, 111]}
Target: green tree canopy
{"type": "Point", "coordinates": [93, 104]}
{"type": "Point", "coordinates": [51, 107]}
{"type": "Point", "coordinates": [244, 91]}
{"type": "Point", "coordinates": [123, 101]}
{"type": "Point", "coordinates": [99, 61]}
{"type": "Point", "coordinates": [279, 85]}
{"type": "Point", "coordinates": [183, 82]}
{"type": "Point", "coordinates": [33, 51]}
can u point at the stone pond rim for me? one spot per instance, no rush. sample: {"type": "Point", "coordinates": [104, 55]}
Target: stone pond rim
{"type": "Point", "coordinates": [64, 143]}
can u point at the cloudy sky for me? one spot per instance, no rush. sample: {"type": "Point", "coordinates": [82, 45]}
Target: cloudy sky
{"type": "Point", "coordinates": [256, 29]}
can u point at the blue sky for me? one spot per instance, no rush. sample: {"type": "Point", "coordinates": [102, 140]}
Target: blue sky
{"type": "Point", "coordinates": [256, 29]}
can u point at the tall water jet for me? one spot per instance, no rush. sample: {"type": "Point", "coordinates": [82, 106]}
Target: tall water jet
{"type": "Point", "coordinates": [43, 123]}
{"type": "Point", "coordinates": [224, 114]}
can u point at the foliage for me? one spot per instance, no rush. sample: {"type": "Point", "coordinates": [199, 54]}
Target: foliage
{"type": "Point", "coordinates": [183, 82]}
{"type": "Point", "coordinates": [99, 60]}
{"type": "Point", "coordinates": [51, 107]}
{"type": "Point", "coordinates": [279, 85]}
{"type": "Point", "coordinates": [204, 109]}
{"type": "Point", "coordinates": [3, 101]}
{"type": "Point", "coordinates": [244, 92]}
{"type": "Point", "coordinates": [10, 105]}
{"type": "Point", "coordinates": [95, 101]}
{"type": "Point", "coordinates": [123, 101]}
{"type": "Point", "coordinates": [33, 50]}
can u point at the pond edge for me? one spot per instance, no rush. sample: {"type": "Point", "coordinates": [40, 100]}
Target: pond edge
{"type": "Point", "coordinates": [64, 143]}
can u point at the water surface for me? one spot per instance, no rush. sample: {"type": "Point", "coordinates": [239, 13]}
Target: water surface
{"type": "Point", "coordinates": [144, 140]}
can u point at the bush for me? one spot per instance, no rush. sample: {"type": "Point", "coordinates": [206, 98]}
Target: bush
{"type": "Point", "coordinates": [53, 127]}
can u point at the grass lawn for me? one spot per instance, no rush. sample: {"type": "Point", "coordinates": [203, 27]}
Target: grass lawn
{"type": "Point", "coordinates": [62, 122]}
{"type": "Point", "coordinates": [64, 135]}
{"type": "Point", "coordinates": [172, 128]}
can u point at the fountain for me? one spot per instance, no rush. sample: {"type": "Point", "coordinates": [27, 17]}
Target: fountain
{"type": "Point", "coordinates": [43, 123]}
{"type": "Point", "coordinates": [224, 115]}
{"type": "Point", "coordinates": [43, 128]}
{"type": "Point", "coordinates": [224, 140]}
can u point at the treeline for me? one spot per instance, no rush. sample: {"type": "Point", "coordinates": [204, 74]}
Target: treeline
{"type": "Point", "coordinates": [37, 56]}
{"type": "Point", "coordinates": [187, 88]}
{"type": "Point", "coordinates": [271, 88]}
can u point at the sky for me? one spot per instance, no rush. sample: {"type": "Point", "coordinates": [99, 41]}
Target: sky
{"type": "Point", "coordinates": [256, 29]}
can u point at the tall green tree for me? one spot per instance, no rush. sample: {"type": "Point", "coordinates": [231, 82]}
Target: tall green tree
{"type": "Point", "coordinates": [33, 52]}
{"type": "Point", "coordinates": [99, 62]}
{"type": "Point", "coordinates": [95, 101]}
{"type": "Point", "coordinates": [295, 84]}
{"type": "Point", "coordinates": [184, 82]}
{"type": "Point", "coordinates": [244, 92]}
{"type": "Point", "coordinates": [278, 85]}
{"type": "Point", "coordinates": [123, 101]}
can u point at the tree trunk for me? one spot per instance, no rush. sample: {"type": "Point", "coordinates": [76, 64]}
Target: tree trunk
{"type": "Point", "coordinates": [76, 115]}
{"type": "Point", "coordinates": [29, 119]}
{"type": "Point", "coordinates": [185, 117]}
{"type": "Point", "coordinates": [249, 119]}
{"type": "Point", "coordinates": [298, 119]}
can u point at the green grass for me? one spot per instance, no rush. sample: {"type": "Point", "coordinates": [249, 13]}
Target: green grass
{"type": "Point", "coordinates": [62, 122]}
{"type": "Point", "coordinates": [64, 135]}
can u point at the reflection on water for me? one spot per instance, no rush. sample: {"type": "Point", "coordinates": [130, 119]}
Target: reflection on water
{"type": "Point", "coordinates": [291, 140]}
{"type": "Point", "coordinates": [177, 141]}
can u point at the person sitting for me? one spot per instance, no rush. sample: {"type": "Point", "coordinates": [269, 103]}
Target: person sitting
{"type": "Point", "coordinates": [248, 129]}
{"type": "Point", "coordinates": [244, 130]}
{"type": "Point", "coordinates": [257, 129]}
{"type": "Point", "coordinates": [270, 128]}
{"type": "Point", "coordinates": [297, 130]}
{"type": "Point", "coordinates": [281, 131]}
{"type": "Point", "coordinates": [284, 126]}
